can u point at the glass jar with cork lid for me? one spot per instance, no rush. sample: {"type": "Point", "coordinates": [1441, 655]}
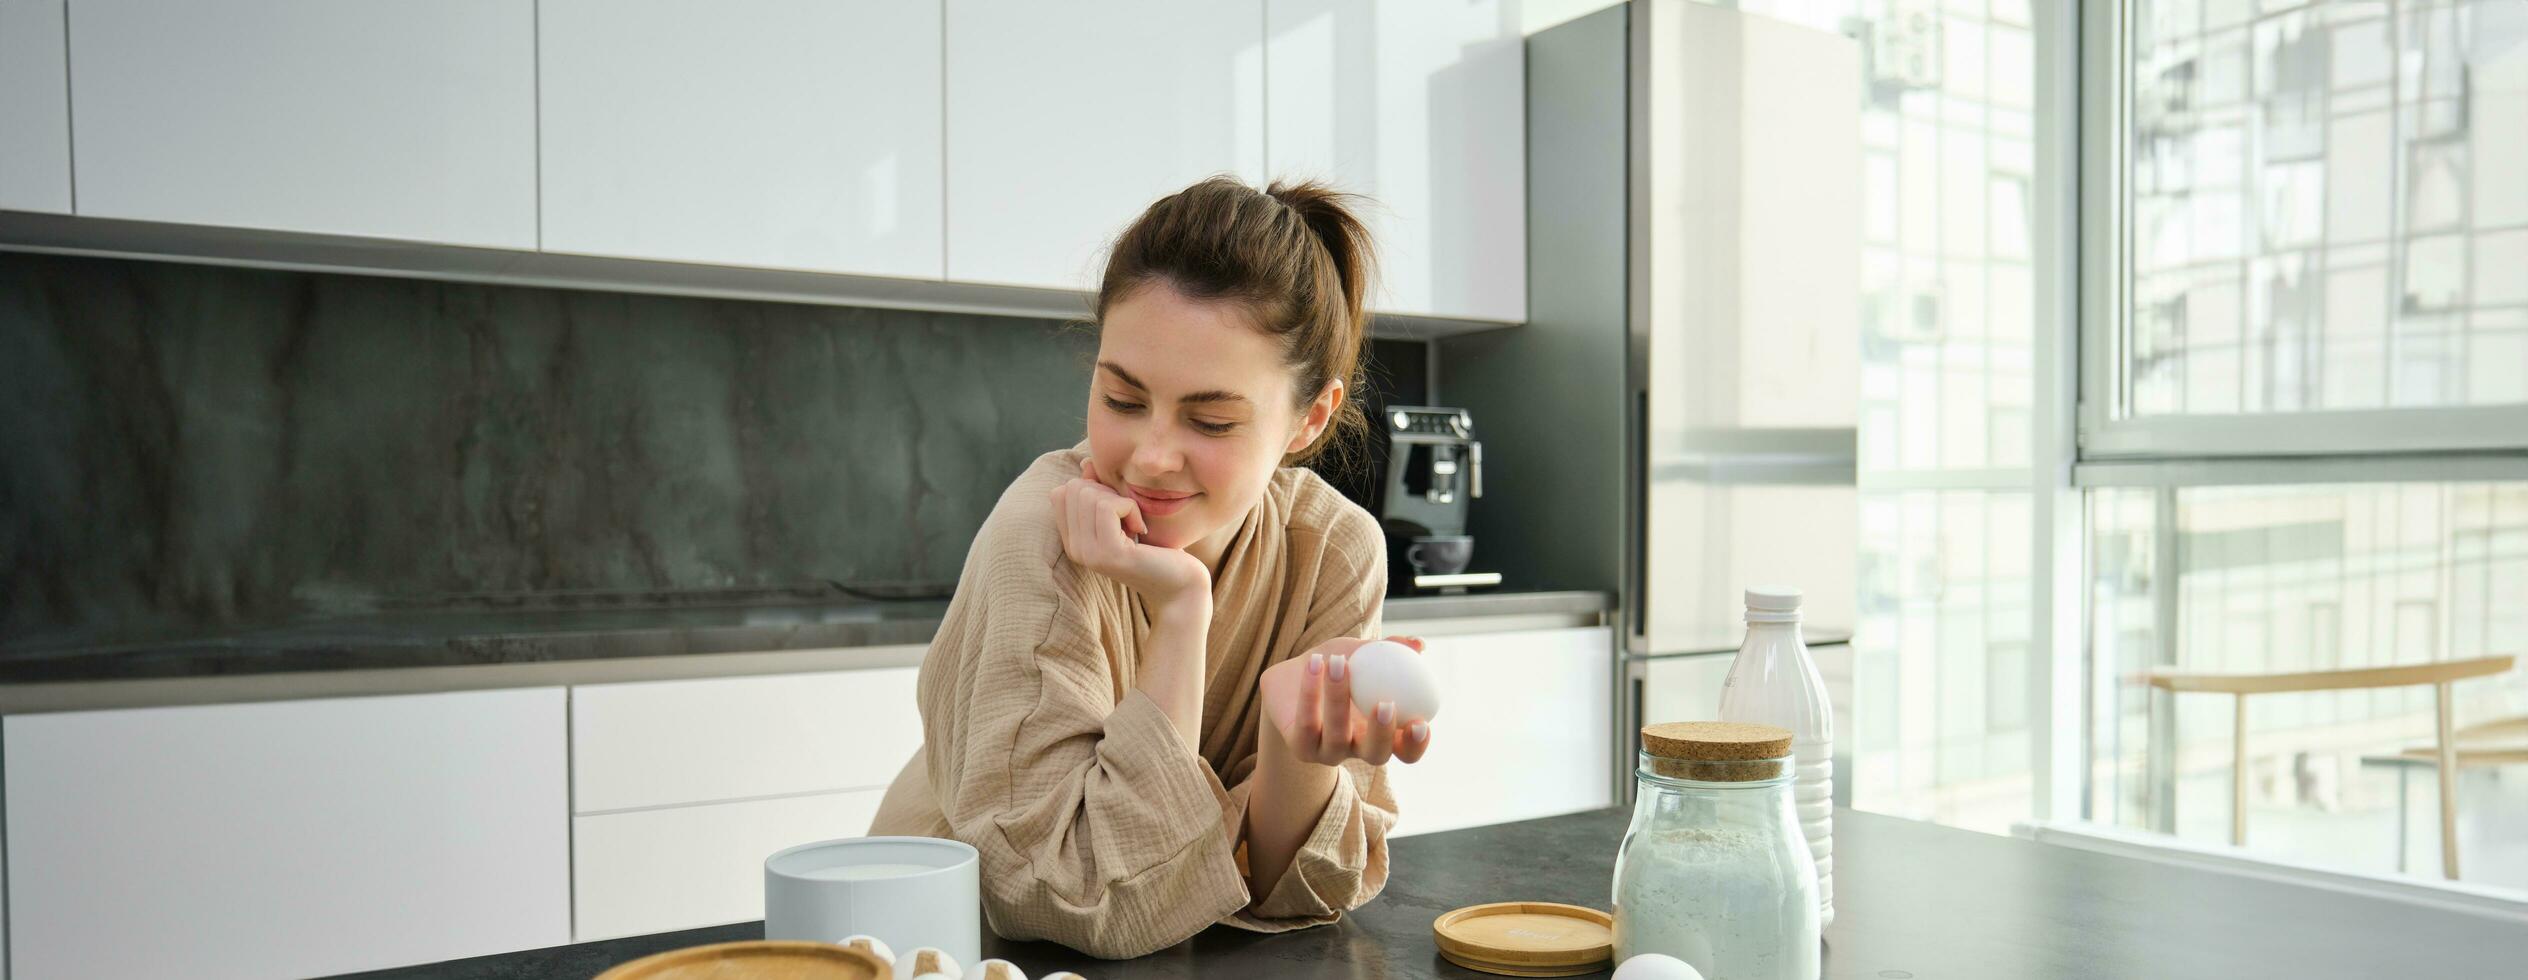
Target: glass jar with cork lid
{"type": "Point", "coordinates": [1714, 869]}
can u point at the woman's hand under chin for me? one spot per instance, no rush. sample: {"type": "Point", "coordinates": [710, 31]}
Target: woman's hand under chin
{"type": "Point", "coordinates": [1101, 531]}
{"type": "Point", "coordinates": [1308, 705]}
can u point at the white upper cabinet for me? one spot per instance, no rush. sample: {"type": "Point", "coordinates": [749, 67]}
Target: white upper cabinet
{"type": "Point", "coordinates": [34, 107]}
{"type": "Point", "coordinates": [381, 118]}
{"type": "Point", "coordinates": [796, 134]}
{"type": "Point", "coordinates": [1421, 106]}
{"type": "Point", "coordinates": [1065, 120]}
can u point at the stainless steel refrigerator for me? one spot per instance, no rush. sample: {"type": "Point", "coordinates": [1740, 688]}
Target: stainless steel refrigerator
{"type": "Point", "coordinates": [1676, 419]}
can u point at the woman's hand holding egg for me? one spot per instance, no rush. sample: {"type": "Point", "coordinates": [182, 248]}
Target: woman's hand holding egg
{"type": "Point", "coordinates": [1310, 701]}
{"type": "Point", "coordinates": [1101, 531]}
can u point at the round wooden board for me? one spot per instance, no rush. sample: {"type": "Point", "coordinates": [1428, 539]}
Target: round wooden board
{"type": "Point", "coordinates": [1526, 939]}
{"type": "Point", "coordinates": [759, 959]}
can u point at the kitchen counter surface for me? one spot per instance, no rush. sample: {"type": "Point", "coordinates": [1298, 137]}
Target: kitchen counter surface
{"type": "Point", "coordinates": [1912, 900]}
{"type": "Point", "coordinates": [496, 647]}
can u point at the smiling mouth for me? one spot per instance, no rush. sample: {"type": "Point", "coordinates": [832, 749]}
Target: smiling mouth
{"type": "Point", "coordinates": [1160, 503]}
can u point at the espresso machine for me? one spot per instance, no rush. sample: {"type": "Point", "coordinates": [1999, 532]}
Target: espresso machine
{"type": "Point", "coordinates": [1434, 470]}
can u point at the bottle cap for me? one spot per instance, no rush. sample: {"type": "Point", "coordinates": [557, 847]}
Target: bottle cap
{"type": "Point", "coordinates": [1772, 604]}
{"type": "Point", "coordinates": [1773, 598]}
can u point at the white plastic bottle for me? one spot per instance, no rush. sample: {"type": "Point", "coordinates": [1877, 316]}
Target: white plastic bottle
{"type": "Point", "coordinates": [1774, 683]}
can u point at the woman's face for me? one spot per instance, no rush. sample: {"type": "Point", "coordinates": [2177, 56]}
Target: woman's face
{"type": "Point", "coordinates": [1189, 413]}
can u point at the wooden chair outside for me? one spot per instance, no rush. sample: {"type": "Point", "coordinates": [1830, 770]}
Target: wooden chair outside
{"type": "Point", "coordinates": [2440, 675]}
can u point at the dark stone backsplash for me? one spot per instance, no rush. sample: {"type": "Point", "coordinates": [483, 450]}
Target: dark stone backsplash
{"type": "Point", "coordinates": [190, 447]}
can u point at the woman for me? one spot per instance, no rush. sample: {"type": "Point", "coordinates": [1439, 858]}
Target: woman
{"type": "Point", "coordinates": [1137, 709]}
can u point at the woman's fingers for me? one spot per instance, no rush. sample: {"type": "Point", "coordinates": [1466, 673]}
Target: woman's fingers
{"type": "Point", "coordinates": [1412, 641]}
{"type": "Point", "coordinates": [1127, 516]}
{"type": "Point", "coordinates": [1379, 743]}
{"type": "Point", "coordinates": [1305, 721]}
{"type": "Point", "coordinates": [1076, 517]}
{"type": "Point", "coordinates": [1334, 709]}
{"type": "Point", "coordinates": [1415, 740]}
{"type": "Point", "coordinates": [1094, 522]}
{"type": "Point", "coordinates": [1062, 521]}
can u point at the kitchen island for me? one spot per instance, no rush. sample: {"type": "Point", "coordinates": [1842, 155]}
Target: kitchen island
{"type": "Point", "coordinates": [1913, 900]}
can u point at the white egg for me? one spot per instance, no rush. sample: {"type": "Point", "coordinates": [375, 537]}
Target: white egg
{"type": "Point", "coordinates": [998, 970]}
{"type": "Point", "coordinates": [1384, 670]}
{"type": "Point", "coordinates": [1065, 975]}
{"type": "Point", "coordinates": [869, 944]}
{"type": "Point", "coordinates": [927, 961]}
{"type": "Point", "coordinates": [1655, 966]}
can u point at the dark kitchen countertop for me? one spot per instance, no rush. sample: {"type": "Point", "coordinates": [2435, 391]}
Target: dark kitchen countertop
{"type": "Point", "coordinates": [478, 636]}
{"type": "Point", "coordinates": [1912, 900]}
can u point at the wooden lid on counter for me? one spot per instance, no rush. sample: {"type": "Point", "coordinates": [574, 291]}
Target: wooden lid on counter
{"type": "Point", "coordinates": [760, 959]}
{"type": "Point", "coordinates": [1527, 939]}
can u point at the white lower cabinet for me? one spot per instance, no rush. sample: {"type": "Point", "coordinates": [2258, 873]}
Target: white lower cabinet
{"type": "Point", "coordinates": [285, 839]}
{"type": "Point", "coordinates": [326, 836]}
{"type": "Point", "coordinates": [682, 788]}
{"type": "Point", "coordinates": [1525, 730]}
{"type": "Point", "coordinates": [660, 743]}
{"type": "Point", "coordinates": [649, 871]}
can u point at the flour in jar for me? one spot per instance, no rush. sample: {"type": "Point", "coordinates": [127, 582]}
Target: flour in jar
{"type": "Point", "coordinates": [1719, 898]}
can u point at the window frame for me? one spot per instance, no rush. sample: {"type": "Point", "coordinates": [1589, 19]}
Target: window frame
{"type": "Point", "coordinates": [2107, 431]}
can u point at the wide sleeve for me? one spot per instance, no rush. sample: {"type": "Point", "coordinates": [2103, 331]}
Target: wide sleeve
{"type": "Point", "coordinates": [1098, 827]}
{"type": "Point", "coordinates": [1344, 862]}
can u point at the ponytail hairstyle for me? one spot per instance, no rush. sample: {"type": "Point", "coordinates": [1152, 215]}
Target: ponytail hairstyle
{"type": "Point", "coordinates": [1293, 255]}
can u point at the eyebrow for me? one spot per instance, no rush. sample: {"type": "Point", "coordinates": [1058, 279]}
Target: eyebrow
{"type": "Point", "coordinates": [1213, 395]}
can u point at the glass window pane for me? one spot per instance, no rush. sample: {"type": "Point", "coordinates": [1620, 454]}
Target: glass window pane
{"type": "Point", "coordinates": [2324, 195]}
{"type": "Point", "coordinates": [1951, 250]}
{"type": "Point", "coordinates": [2269, 579]}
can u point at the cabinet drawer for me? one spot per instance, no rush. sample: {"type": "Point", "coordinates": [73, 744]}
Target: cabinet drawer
{"type": "Point", "coordinates": [684, 867]}
{"type": "Point", "coordinates": [296, 838]}
{"type": "Point", "coordinates": [658, 743]}
{"type": "Point", "coordinates": [1524, 729]}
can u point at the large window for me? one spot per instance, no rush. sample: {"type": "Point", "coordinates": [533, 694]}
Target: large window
{"type": "Point", "coordinates": [2304, 426]}
{"type": "Point", "coordinates": [2209, 354]}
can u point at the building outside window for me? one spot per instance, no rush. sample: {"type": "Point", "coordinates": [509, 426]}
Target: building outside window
{"type": "Point", "coordinates": [2294, 416]}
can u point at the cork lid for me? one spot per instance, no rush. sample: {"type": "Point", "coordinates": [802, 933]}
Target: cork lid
{"type": "Point", "coordinates": [1715, 751]}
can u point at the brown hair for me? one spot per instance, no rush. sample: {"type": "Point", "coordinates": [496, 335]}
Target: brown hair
{"type": "Point", "coordinates": [1293, 254]}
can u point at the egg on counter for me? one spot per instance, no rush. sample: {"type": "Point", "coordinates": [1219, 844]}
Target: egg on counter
{"type": "Point", "coordinates": [1384, 670]}
{"type": "Point", "coordinates": [998, 970]}
{"type": "Point", "coordinates": [1656, 966]}
{"type": "Point", "coordinates": [871, 945]}
{"type": "Point", "coordinates": [928, 961]}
